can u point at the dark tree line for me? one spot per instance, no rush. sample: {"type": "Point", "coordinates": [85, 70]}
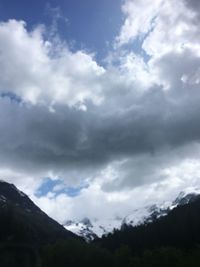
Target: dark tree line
{"type": "Point", "coordinates": [78, 254]}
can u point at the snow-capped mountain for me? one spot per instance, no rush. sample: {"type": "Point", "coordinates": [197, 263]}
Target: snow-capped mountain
{"type": "Point", "coordinates": [184, 199]}
{"type": "Point", "coordinates": [16, 207]}
{"type": "Point", "coordinates": [145, 215]}
{"type": "Point", "coordinates": [89, 229]}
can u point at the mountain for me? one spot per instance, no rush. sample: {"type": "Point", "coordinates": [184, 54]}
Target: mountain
{"type": "Point", "coordinates": [22, 221]}
{"type": "Point", "coordinates": [179, 229]}
{"type": "Point", "coordinates": [151, 213]}
{"type": "Point", "coordinates": [90, 229]}
{"type": "Point", "coordinates": [172, 240]}
{"type": "Point", "coordinates": [163, 235]}
{"type": "Point", "coordinates": [184, 198]}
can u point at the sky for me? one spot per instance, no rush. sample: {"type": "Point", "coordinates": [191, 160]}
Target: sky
{"type": "Point", "coordinates": [99, 103]}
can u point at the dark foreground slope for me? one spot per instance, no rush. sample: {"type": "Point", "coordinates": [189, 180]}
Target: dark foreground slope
{"type": "Point", "coordinates": [22, 221]}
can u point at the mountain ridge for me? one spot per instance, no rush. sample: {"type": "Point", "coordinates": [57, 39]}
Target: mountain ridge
{"type": "Point", "coordinates": [91, 229]}
{"type": "Point", "coordinates": [22, 221]}
{"type": "Point", "coordinates": [178, 229]}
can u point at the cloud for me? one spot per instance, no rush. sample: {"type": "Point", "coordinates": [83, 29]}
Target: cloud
{"type": "Point", "coordinates": [56, 16]}
{"type": "Point", "coordinates": [96, 203]}
{"type": "Point", "coordinates": [159, 26]}
{"type": "Point", "coordinates": [40, 72]}
{"type": "Point", "coordinates": [139, 19]}
{"type": "Point", "coordinates": [129, 130]}
{"type": "Point", "coordinates": [194, 4]}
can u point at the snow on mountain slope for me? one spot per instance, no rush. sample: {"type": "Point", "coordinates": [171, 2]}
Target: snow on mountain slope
{"type": "Point", "coordinates": [92, 228]}
{"type": "Point", "coordinates": [145, 215]}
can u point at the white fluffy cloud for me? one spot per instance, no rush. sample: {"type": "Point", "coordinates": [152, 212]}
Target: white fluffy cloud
{"type": "Point", "coordinates": [139, 19]}
{"type": "Point", "coordinates": [39, 71]}
{"type": "Point", "coordinates": [95, 203]}
{"type": "Point", "coordinates": [162, 25]}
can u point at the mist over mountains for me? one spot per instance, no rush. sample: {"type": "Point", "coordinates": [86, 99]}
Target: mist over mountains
{"type": "Point", "coordinates": [93, 228]}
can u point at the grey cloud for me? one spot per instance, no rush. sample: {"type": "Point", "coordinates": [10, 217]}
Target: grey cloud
{"type": "Point", "coordinates": [194, 4]}
{"type": "Point", "coordinates": [151, 169]}
{"type": "Point", "coordinates": [34, 139]}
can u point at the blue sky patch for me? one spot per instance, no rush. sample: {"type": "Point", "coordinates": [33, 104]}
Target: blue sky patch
{"type": "Point", "coordinates": [58, 187]}
{"type": "Point", "coordinates": [86, 25]}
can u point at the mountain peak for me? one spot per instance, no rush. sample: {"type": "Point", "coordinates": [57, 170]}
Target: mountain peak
{"type": "Point", "coordinates": [86, 222]}
{"type": "Point", "coordinates": [89, 228]}
{"type": "Point", "coordinates": [15, 197]}
{"type": "Point", "coordinates": [17, 209]}
{"type": "Point", "coordinates": [8, 186]}
{"type": "Point", "coordinates": [185, 198]}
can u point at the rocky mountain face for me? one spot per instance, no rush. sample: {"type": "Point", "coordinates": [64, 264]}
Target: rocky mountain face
{"type": "Point", "coordinates": [90, 229]}
{"type": "Point", "coordinates": [22, 221]}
